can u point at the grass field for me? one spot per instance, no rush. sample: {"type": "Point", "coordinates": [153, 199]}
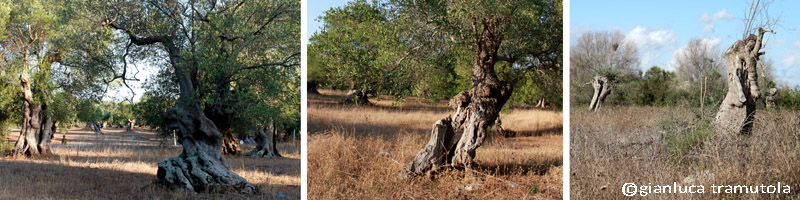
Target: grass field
{"type": "Point", "coordinates": [113, 166]}
{"type": "Point", "coordinates": [355, 151]}
{"type": "Point", "coordinates": [670, 145]}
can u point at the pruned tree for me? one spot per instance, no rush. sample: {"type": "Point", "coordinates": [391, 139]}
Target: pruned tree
{"type": "Point", "coordinates": [209, 45]}
{"type": "Point", "coordinates": [737, 113]}
{"type": "Point", "coordinates": [514, 32]}
{"type": "Point", "coordinates": [602, 87]}
{"type": "Point", "coordinates": [770, 101]}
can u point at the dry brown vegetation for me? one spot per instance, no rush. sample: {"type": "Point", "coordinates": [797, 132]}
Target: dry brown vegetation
{"type": "Point", "coordinates": [662, 145]}
{"type": "Point", "coordinates": [112, 166]}
{"type": "Point", "coordinates": [355, 152]}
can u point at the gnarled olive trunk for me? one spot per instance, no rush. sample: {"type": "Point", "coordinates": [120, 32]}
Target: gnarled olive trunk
{"type": "Point", "coordinates": [737, 112]}
{"type": "Point", "coordinates": [200, 167]}
{"type": "Point", "coordinates": [455, 138]}
{"type": "Point", "coordinates": [34, 137]}
{"type": "Point", "coordinates": [266, 144]}
{"type": "Point", "coordinates": [229, 144]}
{"type": "Point", "coordinates": [602, 87]}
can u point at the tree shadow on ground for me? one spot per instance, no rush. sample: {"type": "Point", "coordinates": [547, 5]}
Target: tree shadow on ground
{"type": "Point", "coordinates": [536, 133]}
{"type": "Point", "coordinates": [504, 169]}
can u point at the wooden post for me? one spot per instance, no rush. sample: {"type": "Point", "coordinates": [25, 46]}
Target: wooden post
{"type": "Point", "coordinates": [703, 96]}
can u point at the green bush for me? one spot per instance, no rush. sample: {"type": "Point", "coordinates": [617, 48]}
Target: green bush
{"type": "Point", "coordinates": [683, 142]}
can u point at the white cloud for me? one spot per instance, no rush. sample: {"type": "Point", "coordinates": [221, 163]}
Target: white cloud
{"type": "Point", "coordinates": [710, 19]}
{"type": "Point", "coordinates": [720, 15]}
{"type": "Point", "coordinates": [791, 58]}
{"type": "Point", "coordinates": [709, 28]}
{"type": "Point", "coordinates": [651, 42]}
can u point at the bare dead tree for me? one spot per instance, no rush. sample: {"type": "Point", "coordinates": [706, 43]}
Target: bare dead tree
{"type": "Point", "coordinates": [602, 49]}
{"type": "Point", "coordinates": [697, 59]}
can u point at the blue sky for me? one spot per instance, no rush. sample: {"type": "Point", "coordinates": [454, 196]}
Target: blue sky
{"type": "Point", "coordinates": [661, 28]}
{"type": "Point", "coordinates": [315, 9]}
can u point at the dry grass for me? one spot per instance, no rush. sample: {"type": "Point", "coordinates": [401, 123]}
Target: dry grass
{"type": "Point", "coordinates": [355, 152]}
{"type": "Point", "coordinates": [112, 166]}
{"type": "Point", "coordinates": [648, 145]}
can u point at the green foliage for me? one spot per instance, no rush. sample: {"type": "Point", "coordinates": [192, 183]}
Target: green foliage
{"type": "Point", "coordinates": [64, 109]}
{"type": "Point", "coordinates": [150, 111]}
{"type": "Point", "coordinates": [426, 48]}
{"type": "Point", "coordinates": [655, 86]}
{"type": "Point", "coordinates": [533, 189]}
{"type": "Point", "coordinates": [358, 48]}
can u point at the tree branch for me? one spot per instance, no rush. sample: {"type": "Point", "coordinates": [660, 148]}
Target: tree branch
{"type": "Point", "coordinates": [135, 39]}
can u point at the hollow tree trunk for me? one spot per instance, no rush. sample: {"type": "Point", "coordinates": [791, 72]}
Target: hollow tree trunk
{"type": "Point", "coordinates": [266, 144]}
{"type": "Point", "coordinates": [770, 101]}
{"type": "Point", "coordinates": [200, 167]}
{"type": "Point", "coordinates": [131, 123]}
{"type": "Point", "coordinates": [455, 138]}
{"type": "Point", "coordinates": [737, 112]}
{"type": "Point", "coordinates": [34, 137]}
{"type": "Point", "coordinates": [602, 87]}
{"type": "Point", "coordinates": [229, 144]}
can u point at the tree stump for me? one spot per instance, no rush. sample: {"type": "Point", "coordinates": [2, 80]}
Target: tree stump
{"type": "Point", "coordinates": [602, 87]}
{"type": "Point", "coordinates": [770, 101]}
{"type": "Point", "coordinates": [737, 112]}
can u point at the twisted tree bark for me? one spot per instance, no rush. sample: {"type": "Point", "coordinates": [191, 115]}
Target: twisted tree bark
{"type": "Point", "coordinates": [602, 87]}
{"type": "Point", "coordinates": [266, 144]}
{"type": "Point", "coordinates": [738, 109]}
{"type": "Point", "coordinates": [200, 167]}
{"type": "Point", "coordinates": [455, 138]}
{"type": "Point", "coordinates": [34, 137]}
{"type": "Point", "coordinates": [229, 144]}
